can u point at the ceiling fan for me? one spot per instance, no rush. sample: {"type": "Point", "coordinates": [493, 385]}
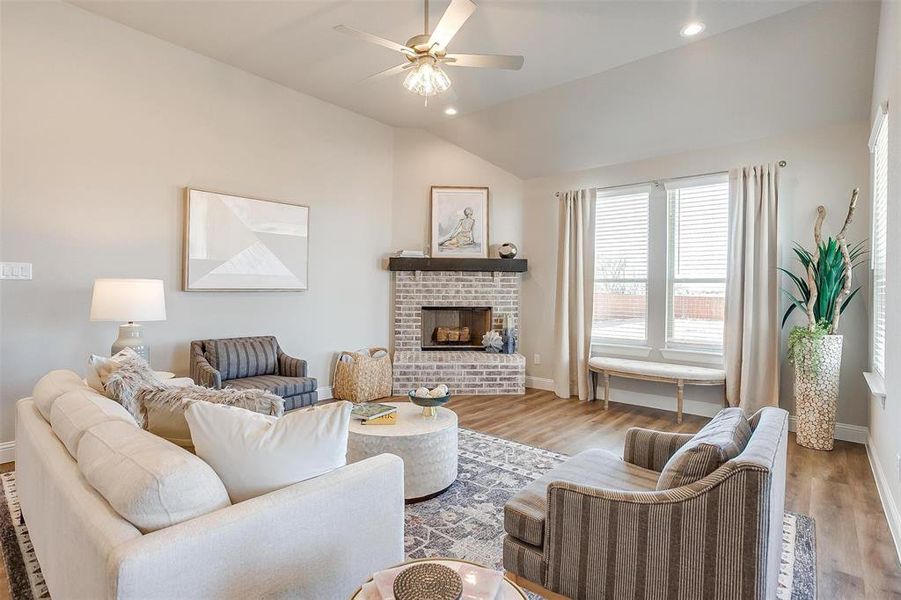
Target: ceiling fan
{"type": "Point", "coordinates": [427, 52]}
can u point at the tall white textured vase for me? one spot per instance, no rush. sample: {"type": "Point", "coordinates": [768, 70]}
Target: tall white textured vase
{"type": "Point", "coordinates": [816, 392]}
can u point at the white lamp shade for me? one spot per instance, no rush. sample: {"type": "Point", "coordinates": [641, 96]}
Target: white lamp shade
{"type": "Point", "coordinates": [128, 300]}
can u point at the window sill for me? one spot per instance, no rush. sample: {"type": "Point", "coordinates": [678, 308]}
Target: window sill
{"type": "Point", "coordinates": [622, 350]}
{"type": "Point", "coordinates": [693, 356]}
{"type": "Point", "coordinates": [876, 384]}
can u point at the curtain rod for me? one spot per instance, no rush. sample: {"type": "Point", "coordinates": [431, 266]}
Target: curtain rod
{"type": "Point", "coordinates": [782, 164]}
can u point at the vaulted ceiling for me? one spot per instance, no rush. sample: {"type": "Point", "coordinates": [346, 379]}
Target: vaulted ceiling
{"type": "Point", "coordinates": [603, 81]}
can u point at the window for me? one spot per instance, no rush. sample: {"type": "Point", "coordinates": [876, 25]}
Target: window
{"type": "Point", "coordinates": [660, 266]}
{"type": "Point", "coordinates": [621, 266]}
{"type": "Point", "coordinates": [879, 148]}
{"type": "Point", "coordinates": [696, 266]}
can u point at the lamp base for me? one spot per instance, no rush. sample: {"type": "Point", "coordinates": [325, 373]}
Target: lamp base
{"type": "Point", "coordinates": [131, 335]}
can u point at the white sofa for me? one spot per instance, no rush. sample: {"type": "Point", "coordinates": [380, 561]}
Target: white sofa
{"type": "Point", "coordinates": [317, 539]}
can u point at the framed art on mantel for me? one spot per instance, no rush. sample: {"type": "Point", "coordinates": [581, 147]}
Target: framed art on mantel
{"type": "Point", "coordinates": [459, 222]}
{"type": "Point", "coordinates": [233, 243]}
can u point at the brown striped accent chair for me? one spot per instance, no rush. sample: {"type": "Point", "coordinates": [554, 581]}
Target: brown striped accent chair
{"type": "Point", "coordinates": [599, 526]}
{"type": "Point", "coordinates": [253, 363]}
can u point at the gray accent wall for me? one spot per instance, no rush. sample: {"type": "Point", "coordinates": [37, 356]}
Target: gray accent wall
{"type": "Point", "coordinates": [103, 127]}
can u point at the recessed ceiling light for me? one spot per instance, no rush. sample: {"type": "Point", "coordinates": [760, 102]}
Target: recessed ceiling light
{"type": "Point", "coordinates": [692, 29]}
{"type": "Point", "coordinates": [450, 111]}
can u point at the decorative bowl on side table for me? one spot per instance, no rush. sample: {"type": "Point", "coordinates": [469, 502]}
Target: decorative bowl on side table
{"type": "Point", "coordinates": [429, 405]}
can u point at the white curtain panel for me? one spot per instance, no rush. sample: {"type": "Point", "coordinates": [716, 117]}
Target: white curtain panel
{"type": "Point", "coordinates": [751, 337]}
{"type": "Point", "coordinates": [575, 294]}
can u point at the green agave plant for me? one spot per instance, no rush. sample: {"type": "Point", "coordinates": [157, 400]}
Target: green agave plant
{"type": "Point", "coordinates": [829, 276]}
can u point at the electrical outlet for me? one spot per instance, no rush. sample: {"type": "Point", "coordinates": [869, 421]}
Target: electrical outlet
{"type": "Point", "coordinates": [536, 359]}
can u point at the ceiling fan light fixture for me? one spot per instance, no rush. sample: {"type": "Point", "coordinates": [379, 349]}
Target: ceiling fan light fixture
{"type": "Point", "coordinates": [427, 78]}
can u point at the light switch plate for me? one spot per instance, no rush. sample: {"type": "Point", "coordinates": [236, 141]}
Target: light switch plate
{"type": "Point", "coordinates": [14, 270]}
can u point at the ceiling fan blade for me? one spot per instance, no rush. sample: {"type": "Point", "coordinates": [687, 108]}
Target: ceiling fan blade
{"type": "Point", "coordinates": [389, 72]}
{"type": "Point", "coordinates": [451, 22]}
{"type": "Point", "coordinates": [374, 39]}
{"type": "Point", "coordinates": [484, 61]}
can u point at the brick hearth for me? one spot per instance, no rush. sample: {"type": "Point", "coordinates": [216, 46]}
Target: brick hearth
{"type": "Point", "coordinates": [464, 372]}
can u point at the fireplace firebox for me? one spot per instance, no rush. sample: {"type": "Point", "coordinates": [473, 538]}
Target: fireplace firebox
{"type": "Point", "coordinates": [454, 327]}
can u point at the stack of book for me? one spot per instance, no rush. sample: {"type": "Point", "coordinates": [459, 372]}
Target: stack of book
{"type": "Point", "coordinates": [373, 413]}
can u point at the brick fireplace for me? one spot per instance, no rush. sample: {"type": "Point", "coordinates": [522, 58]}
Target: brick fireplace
{"type": "Point", "coordinates": [439, 320]}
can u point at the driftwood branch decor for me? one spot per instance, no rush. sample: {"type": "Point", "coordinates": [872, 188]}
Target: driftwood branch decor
{"type": "Point", "coordinates": [847, 267]}
{"type": "Point", "coordinates": [846, 259]}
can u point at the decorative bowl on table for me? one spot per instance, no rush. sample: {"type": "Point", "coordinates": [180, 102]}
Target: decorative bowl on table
{"type": "Point", "coordinates": [428, 580]}
{"type": "Point", "coordinates": [429, 403]}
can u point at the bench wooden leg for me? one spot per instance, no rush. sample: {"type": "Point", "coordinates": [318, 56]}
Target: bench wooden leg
{"type": "Point", "coordinates": [680, 399]}
{"type": "Point", "coordinates": [593, 375]}
{"type": "Point", "coordinates": [606, 390]}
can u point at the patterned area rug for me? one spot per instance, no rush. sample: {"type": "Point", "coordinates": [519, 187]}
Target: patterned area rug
{"type": "Point", "coordinates": [465, 522]}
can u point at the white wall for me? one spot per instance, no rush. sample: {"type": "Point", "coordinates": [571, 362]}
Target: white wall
{"type": "Point", "coordinates": [103, 126]}
{"type": "Point", "coordinates": [823, 166]}
{"type": "Point", "coordinates": [885, 423]}
{"type": "Point", "coordinates": [422, 160]}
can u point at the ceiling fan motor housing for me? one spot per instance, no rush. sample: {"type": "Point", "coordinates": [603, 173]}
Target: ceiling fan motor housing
{"type": "Point", "coordinates": [420, 43]}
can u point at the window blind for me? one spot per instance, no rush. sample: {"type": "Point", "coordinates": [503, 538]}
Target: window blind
{"type": "Point", "coordinates": [878, 251]}
{"type": "Point", "coordinates": [696, 261]}
{"type": "Point", "coordinates": [621, 265]}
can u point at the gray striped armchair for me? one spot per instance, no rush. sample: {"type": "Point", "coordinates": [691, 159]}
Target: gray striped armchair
{"type": "Point", "coordinates": [599, 526]}
{"type": "Point", "coordinates": [253, 363]}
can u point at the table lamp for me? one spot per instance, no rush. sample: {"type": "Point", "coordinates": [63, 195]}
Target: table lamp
{"type": "Point", "coordinates": [129, 300]}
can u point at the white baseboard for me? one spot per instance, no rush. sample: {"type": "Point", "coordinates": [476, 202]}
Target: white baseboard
{"type": "Point", "coordinates": [7, 452]}
{"type": "Point", "coordinates": [889, 506]}
{"type": "Point", "coordinates": [540, 383]}
{"type": "Point", "coordinates": [843, 431]}
{"type": "Point", "coordinates": [325, 393]}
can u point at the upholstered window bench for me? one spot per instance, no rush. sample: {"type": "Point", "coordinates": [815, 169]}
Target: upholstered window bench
{"type": "Point", "coordinates": [680, 375]}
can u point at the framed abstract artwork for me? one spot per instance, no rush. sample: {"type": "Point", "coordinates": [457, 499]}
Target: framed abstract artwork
{"type": "Point", "coordinates": [459, 222]}
{"type": "Point", "coordinates": [234, 243]}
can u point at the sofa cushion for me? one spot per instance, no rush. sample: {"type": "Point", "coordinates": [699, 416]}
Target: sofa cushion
{"type": "Point", "coordinates": [75, 412]}
{"type": "Point", "coordinates": [722, 439]}
{"type": "Point", "coordinates": [255, 454]}
{"type": "Point", "coordinates": [165, 407]}
{"type": "Point", "coordinates": [150, 482]}
{"type": "Point", "coordinates": [525, 512]}
{"type": "Point", "coordinates": [53, 385]}
{"type": "Point", "coordinates": [276, 384]}
{"type": "Point", "coordinates": [243, 357]}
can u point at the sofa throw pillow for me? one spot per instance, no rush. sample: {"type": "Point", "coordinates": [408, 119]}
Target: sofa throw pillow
{"type": "Point", "coordinates": [100, 367]}
{"type": "Point", "coordinates": [255, 454]}
{"type": "Point", "coordinates": [123, 383]}
{"type": "Point", "coordinates": [53, 385]}
{"type": "Point", "coordinates": [151, 483]}
{"type": "Point", "coordinates": [721, 440]}
{"type": "Point", "coordinates": [245, 357]}
{"type": "Point", "coordinates": [164, 407]}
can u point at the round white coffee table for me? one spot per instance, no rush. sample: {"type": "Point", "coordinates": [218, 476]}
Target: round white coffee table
{"type": "Point", "coordinates": [427, 445]}
{"type": "Point", "coordinates": [508, 591]}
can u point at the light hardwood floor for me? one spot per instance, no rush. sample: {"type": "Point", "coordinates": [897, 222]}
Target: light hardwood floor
{"type": "Point", "coordinates": [855, 554]}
